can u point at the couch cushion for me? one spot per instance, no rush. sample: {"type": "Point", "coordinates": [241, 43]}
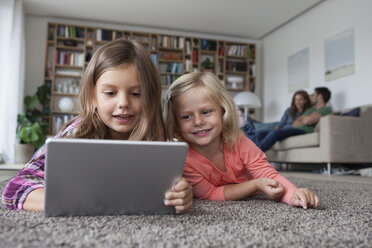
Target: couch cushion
{"type": "Point", "coordinates": [299, 141]}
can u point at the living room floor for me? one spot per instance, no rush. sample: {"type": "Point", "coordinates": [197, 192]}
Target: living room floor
{"type": "Point", "coordinates": [336, 178]}
{"type": "Point", "coordinates": [7, 174]}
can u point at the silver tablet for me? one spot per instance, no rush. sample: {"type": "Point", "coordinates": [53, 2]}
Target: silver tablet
{"type": "Point", "coordinates": [110, 177]}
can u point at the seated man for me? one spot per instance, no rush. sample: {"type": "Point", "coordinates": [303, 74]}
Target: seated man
{"type": "Point", "coordinates": [304, 124]}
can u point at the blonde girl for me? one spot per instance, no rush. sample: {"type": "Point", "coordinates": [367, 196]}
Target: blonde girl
{"type": "Point", "coordinates": [222, 164]}
{"type": "Point", "coordinates": [120, 96]}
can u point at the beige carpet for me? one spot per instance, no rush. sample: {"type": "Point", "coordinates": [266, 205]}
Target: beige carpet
{"type": "Point", "coordinates": [344, 219]}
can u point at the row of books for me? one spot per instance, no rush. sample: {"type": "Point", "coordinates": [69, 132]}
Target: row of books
{"type": "Point", "coordinates": [153, 43]}
{"type": "Point", "coordinates": [252, 70]}
{"type": "Point", "coordinates": [102, 34]}
{"type": "Point", "coordinates": [237, 50]}
{"type": "Point", "coordinates": [174, 68]}
{"type": "Point", "coordinates": [251, 86]}
{"type": "Point", "coordinates": [236, 66]}
{"type": "Point", "coordinates": [195, 56]}
{"type": "Point", "coordinates": [209, 45]}
{"type": "Point", "coordinates": [172, 42]}
{"type": "Point", "coordinates": [70, 32]}
{"type": "Point", "coordinates": [188, 65]}
{"type": "Point", "coordinates": [70, 58]}
{"type": "Point", "coordinates": [48, 71]}
{"type": "Point", "coordinates": [188, 47]}
{"type": "Point", "coordinates": [171, 55]}
{"type": "Point", "coordinates": [221, 51]}
{"type": "Point", "coordinates": [154, 57]}
{"type": "Point", "coordinates": [168, 79]}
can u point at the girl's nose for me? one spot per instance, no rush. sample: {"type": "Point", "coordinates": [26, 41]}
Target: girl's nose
{"type": "Point", "coordinates": [198, 120]}
{"type": "Point", "coordinates": [123, 102]}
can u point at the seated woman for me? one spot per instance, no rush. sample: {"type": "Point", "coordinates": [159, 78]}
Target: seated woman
{"type": "Point", "coordinates": [300, 103]}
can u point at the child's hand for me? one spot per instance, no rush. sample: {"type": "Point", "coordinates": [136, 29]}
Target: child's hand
{"type": "Point", "coordinates": [273, 189]}
{"type": "Point", "coordinates": [305, 198]}
{"type": "Point", "coordinates": [180, 197]}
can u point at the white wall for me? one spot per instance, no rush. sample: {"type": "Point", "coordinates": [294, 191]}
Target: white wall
{"type": "Point", "coordinates": [310, 30]}
{"type": "Point", "coordinates": [36, 27]}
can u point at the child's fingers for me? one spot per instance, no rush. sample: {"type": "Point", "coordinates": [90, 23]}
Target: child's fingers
{"type": "Point", "coordinates": [183, 208]}
{"type": "Point", "coordinates": [177, 195]}
{"type": "Point", "coordinates": [272, 182]}
{"type": "Point", "coordinates": [178, 201]}
{"type": "Point", "coordinates": [181, 185]}
{"type": "Point", "coordinates": [303, 199]}
{"type": "Point", "coordinates": [316, 201]}
{"type": "Point", "coordinates": [296, 201]}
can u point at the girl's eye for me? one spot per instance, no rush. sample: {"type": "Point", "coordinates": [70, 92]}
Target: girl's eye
{"type": "Point", "coordinates": [186, 117]}
{"type": "Point", "coordinates": [109, 93]}
{"type": "Point", "coordinates": [136, 94]}
{"type": "Point", "coordinates": [206, 112]}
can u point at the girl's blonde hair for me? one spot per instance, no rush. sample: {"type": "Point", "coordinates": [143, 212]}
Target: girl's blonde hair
{"type": "Point", "coordinates": [230, 123]}
{"type": "Point", "coordinates": [114, 54]}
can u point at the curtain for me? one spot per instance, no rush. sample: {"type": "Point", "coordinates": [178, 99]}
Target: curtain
{"type": "Point", "coordinates": [12, 63]}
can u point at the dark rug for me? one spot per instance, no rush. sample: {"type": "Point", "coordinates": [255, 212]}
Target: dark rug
{"type": "Point", "coordinates": [344, 219]}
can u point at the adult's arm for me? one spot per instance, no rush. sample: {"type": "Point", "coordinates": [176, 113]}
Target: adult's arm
{"type": "Point", "coordinates": [307, 120]}
{"type": "Point", "coordinates": [284, 120]}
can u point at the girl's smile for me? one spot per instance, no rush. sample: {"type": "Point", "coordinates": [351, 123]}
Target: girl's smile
{"type": "Point", "coordinates": [199, 118]}
{"type": "Point", "coordinates": [122, 119]}
{"type": "Point", "coordinates": [202, 133]}
{"type": "Point", "coordinates": [118, 100]}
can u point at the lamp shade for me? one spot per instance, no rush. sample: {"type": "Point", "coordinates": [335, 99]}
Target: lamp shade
{"type": "Point", "coordinates": [247, 99]}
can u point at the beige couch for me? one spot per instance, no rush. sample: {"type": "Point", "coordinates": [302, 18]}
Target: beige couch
{"type": "Point", "coordinates": [336, 139]}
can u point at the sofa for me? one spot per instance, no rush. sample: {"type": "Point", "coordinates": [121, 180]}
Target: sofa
{"type": "Point", "coordinates": [342, 138]}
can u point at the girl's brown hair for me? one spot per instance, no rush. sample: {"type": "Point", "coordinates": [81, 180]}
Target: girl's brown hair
{"type": "Point", "coordinates": [230, 123]}
{"type": "Point", "coordinates": [116, 54]}
{"type": "Point", "coordinates": [307, 105]}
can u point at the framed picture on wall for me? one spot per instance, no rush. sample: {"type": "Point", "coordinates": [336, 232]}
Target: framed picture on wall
{"type": "Point", "coordinates": [298, 70]}
{"type": "Point", "coordinates": [339, 55]}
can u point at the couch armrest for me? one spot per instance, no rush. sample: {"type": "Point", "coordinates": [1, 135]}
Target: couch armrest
{"type": "Point", "coordinates": [345, 139]}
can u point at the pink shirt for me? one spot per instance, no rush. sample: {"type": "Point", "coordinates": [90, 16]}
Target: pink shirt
{"type": "Point", "coordinates": [245, 162]}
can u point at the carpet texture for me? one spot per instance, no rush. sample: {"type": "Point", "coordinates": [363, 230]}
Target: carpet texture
{"type": "Point", "coordinates": [344, 219]}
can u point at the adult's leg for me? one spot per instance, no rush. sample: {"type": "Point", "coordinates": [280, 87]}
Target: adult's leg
{"type": "Point", "coordinates": [261, 134]}
{"type": "Point", "coordinates": [251, 133]}
{"type": "Point", "coordinates": [278, 135]}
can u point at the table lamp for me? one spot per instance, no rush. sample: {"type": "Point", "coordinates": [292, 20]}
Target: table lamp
{"type": "Point", "coordinates": [247, 99]}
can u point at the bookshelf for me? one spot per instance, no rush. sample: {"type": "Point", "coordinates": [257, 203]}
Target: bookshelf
{"type": "Point", "coordinates": [69, 48]}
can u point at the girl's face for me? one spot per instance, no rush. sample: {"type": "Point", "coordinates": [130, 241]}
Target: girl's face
{"type": "Point", "coordinates": [118, 100]}
{"type": "Point", "coordinates": [299, 102]}
{"type": "Point", "coordinates": [199, 118]}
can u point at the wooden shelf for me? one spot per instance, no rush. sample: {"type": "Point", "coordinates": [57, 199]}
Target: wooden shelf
{"type": "Point", "coordinates": [64, 94]}
{"type": "Point", "coordinates": [70, 38]}
{"type": "Point", "coordinates": [170, 60]}
{"type": "Point", "coordinates": [67, 76]}
{"type": "Point", "coordinates": [208, 52]}
{"type": "Point", "coordinates": [237, 72]}
{"type": "Point", "coordinates": [71, 48]}
{"type": "Point", "coordinates": [65, 113]}
{"type": "Point", "coordinates": [225, 56]}
{"type": "Point", "coordinates": [69, 66]}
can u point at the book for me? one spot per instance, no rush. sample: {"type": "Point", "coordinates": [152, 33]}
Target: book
{"type": "Point", "coordinates": [49, 70]}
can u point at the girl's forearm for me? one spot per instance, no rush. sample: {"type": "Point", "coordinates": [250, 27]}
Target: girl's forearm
{"type": "Point", "coordinates": [240, 191]}
{"type": "Point", "coordinates": [35, 200]}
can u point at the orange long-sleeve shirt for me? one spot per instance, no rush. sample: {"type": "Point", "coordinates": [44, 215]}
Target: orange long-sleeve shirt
{"type": "Point", "coordinates": [243, 163]}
